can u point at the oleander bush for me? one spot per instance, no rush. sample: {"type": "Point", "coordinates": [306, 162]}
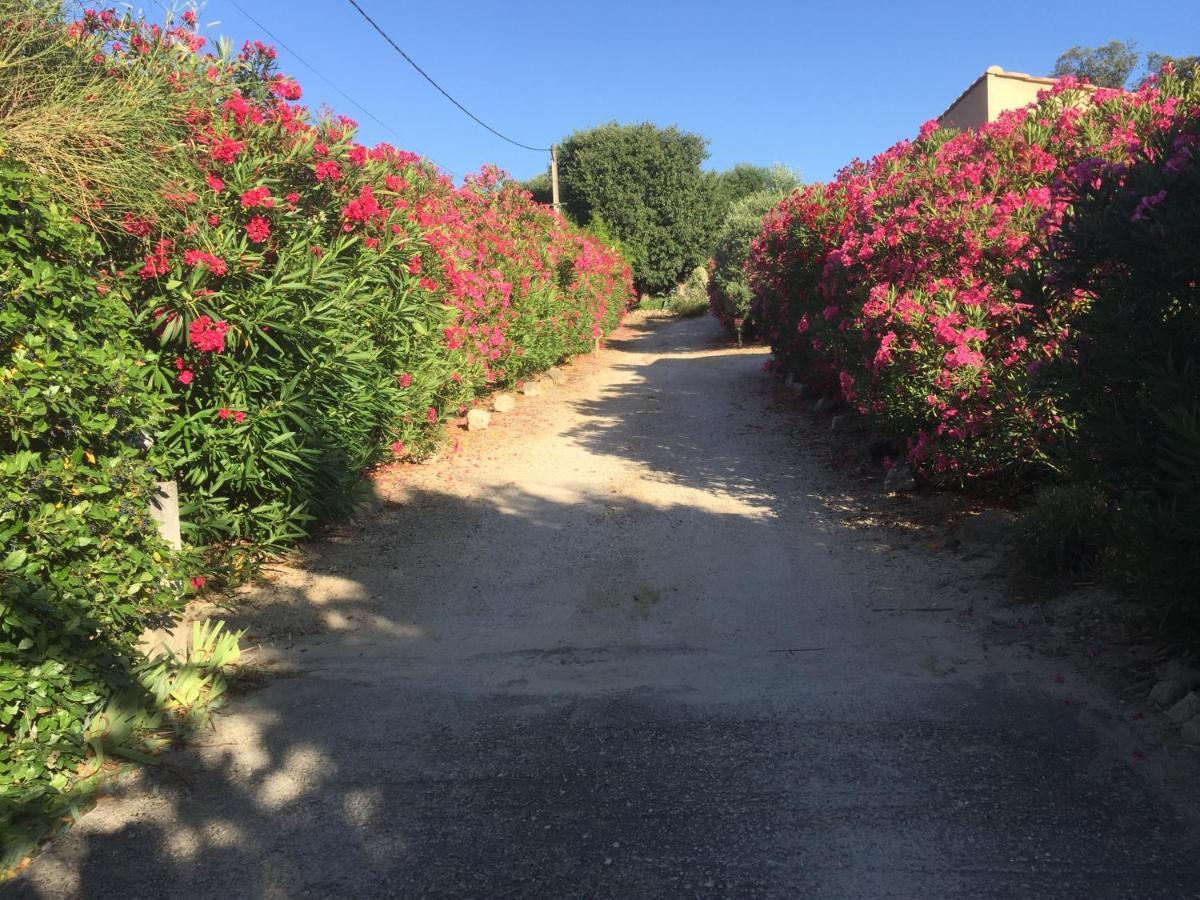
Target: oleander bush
{"type": "Point", "coordinates": [913, 285]}
{"type": "Point", "coordinates": [320, 305]}
{"type": "Point", "coordinates": [1130, 387]}
{"type": "Point", "coordinates": [202, 282]}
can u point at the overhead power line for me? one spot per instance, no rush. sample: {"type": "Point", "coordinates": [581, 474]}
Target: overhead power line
{"type": "Point", "coordinates": [441, 90]}
{"type": "Point", "coordinates": [328, 81]}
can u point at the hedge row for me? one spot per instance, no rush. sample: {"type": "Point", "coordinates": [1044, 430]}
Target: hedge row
{"type": "Point", "coordinates": [914, 285]}
{"type": "Point", "coordinates": [1017, 304]}
{"type": "Point", "coordinates": [286, 309]}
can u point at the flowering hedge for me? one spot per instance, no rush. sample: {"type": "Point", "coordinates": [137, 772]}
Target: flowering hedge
{"type": "Point", "coordinates": [912, 285]}
{"type": "Point", "coordinates": [287, 308]}
{"type": "Point", "coordinates": [321, 305]}
{"type": "Point", "coordinates": [1130, 392]}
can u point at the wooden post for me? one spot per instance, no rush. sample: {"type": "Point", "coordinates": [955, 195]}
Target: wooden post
{"type": "Point", "coordinates": [554, 177]}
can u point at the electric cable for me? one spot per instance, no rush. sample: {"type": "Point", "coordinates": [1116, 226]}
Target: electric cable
{"type": "Point", "coordinates": [441, 89]}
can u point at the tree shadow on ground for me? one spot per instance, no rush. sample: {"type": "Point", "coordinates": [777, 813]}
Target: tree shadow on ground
{"type": "Point", "coordinates": [428, 771]}
{"type": "Point", "coordinates": [668, 415]}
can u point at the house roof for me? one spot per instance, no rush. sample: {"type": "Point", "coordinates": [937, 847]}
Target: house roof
{"type": "Point", "coordinates": [996, 70]}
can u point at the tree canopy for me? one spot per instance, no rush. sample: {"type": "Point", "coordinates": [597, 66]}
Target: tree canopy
{"type": "Point", "coordinates": [646, 183]}
{"type": "Point", "coordinates": [1107, 66]}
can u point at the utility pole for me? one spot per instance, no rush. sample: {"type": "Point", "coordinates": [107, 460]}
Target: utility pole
{"type": "Point", "coordinates": [554, 176]}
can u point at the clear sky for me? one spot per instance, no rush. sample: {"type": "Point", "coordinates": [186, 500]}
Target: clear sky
{"type": "Point", "coordinates": [810, 85]}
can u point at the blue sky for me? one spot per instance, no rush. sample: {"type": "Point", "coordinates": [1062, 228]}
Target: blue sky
{"type": "Point", "coordinates": [810, 85]}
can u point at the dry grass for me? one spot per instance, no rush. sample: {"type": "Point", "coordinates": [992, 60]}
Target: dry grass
{"type": "Point", "coordinates": [101, 138]}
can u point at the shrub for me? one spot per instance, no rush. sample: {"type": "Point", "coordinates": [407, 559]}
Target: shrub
{"type": "Point", "coordinates": [746, 180]}
{"type": "Point", "coordinates": [691, 297]}
{"type": "Point", "coordinates": [728, 288]}
{"type": "Point", "coordinates": [104, 152]}
{"type": "Point", "coordinates": [647, 185]}
{"type": "Point", "coordinates": [82, 571]}
{"type": "Point", "coordinates": [1131, 387]}
{"type": "Point", "coordinates": [1066, 532]}
{"type": "Point", "coordinates": [912, 284]}
{"type": "Point", "coordinates": [321, 305]}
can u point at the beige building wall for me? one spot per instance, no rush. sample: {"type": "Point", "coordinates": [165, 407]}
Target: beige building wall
{"type": "Point", "coordinates": [992, 93]}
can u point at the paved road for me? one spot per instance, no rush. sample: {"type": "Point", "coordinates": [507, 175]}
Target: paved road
{"type": "Point", "coordinates": [618, 647]}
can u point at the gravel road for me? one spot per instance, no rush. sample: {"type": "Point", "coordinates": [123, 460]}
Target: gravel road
{"type": "Point", "coordinates": [618, 646]}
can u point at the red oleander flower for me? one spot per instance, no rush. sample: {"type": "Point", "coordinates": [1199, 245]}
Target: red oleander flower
{"type": "Point", "coordinates": [226, 150]}
{"type": "Point", "coordinates": [135, 225]}
{"type": "Point", "coordinates": [258, 229]}
{"type": "Point", "coordinates": [327, 170]}
{"type": "Point", "coordinates": [206, 335]}
{"type": "Point", "coordinates": [257, 196]}
{"type": "Point", "coordinates": [214, 264]}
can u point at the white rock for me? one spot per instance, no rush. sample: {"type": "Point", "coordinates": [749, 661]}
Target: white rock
{"type": "Point", "coordinates": [1168, 692]}
{"type": "Point", "coordinates": [899, 478]}
{"type": "Point", "coordinates": [1191, 730]}
{"type": "Point", "coordinates": [503, 403]}
{"type": "Point", "coordinates": [1187, 708]}
{"type": "Point", "coordinates": [843, 422]}
{"type": "Point", "coordinates": [478, 419]}
{"type": "Point", "coordinates": [1176, 681]}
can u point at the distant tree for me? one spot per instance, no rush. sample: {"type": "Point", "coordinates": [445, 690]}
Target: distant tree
{"type": "Point", "coordinates": [539, 186]}
{"type": "Point", "coordinates": [1186, 66]}
{"type": "Point", "coordinates": [646, 183]}
{"type": "Point", "coordinates": [1108, 66]}
{"type": "Point", "coordinates": [728, 287]}
{"type": "Point", "coordinates": [745, 179]}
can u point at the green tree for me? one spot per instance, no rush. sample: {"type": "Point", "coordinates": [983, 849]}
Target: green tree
{"type": "Point", "coordinates": [539, 186]}
{"type": "Point", "coordinates": [746, 179]}
{"type": "Point", "coordinates": [1107, 66]}
{"type": "Point", "coordinates": [646, 183]}
{"type": "Point", "coordinates": [729, 291]}
{"type": "Point", "coordinates": [1184, 66]}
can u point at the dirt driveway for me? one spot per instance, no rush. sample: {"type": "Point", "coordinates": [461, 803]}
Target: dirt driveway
{"type": "Point", "coordinates": [618, 645]}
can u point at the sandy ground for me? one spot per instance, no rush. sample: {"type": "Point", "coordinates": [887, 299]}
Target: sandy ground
{"type": "Point", "coordinates": [635, 641]}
